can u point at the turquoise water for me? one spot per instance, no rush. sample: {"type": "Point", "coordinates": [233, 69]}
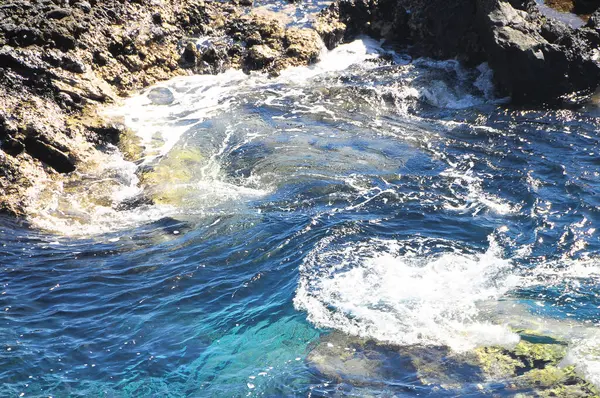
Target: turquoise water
{"type": "Point", "coordinates": [392, 200]}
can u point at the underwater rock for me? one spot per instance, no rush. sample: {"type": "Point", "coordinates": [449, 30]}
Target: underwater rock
{"type": "Point", "coordinates": [348, 359]}
{"type": "Point", "coordinates": [168, 181]}
{"type": "Point", "coordinates": [533, 366]}
{"type": "Point", "coordinates": [161, 96]}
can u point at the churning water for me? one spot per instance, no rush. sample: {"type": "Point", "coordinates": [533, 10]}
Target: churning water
{"type": "Point", "coordinates": [371, 194]}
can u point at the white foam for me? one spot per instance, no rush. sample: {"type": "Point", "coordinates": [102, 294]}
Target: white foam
{"type": "Point", "coordinates": [475, 199]}
{"type": "Point", "coordinates": [585, 355]}
{"type": "Point", "coordinates": [387, 291]}
{"type": "Point", "coordinates": [447, 84]}
{"type": "Point", "coordinates": [196, 99]}
{"type": "Point", "coordinates": [340, 58]}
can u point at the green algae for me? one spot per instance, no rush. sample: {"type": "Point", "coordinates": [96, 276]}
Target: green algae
{"type": "Point", "coordinates": [534, 367]}
{"type": "Point", "coordinates": [536, 355]}
{"type": "Point", "coordinates": [556, 381]}
{"type": "Point", "coordinates": [534, 364]}
{"type": "Point", "coordinates": [130, 145]}
{"type": "Point", "coordinates": [533, 352]}
{"type": "Point", "coordinates": [497, 363]}
{"type": "Point", "coordinates": [168, 182]}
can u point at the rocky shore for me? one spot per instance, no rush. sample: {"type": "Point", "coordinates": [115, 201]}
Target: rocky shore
{"type": "Point", "coordinates": [61, 61]}
{"type": "Point", "coordinates": [536, 59]}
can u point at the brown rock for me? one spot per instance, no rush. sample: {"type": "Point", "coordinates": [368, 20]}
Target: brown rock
{"type": "Point", "coordinates": [260, 56]}
{"type": "Point", "coordinates": [303, 45]}
{"type": "Point", "coordinates": [58, 63]}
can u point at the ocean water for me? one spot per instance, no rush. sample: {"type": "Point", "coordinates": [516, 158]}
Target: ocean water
{"type": "Point", "coordinates": [370, 196]}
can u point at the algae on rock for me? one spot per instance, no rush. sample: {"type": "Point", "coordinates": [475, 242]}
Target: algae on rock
{"type": "Point", "coordinates": [169, 181]}
{"type": "Point", "coordinates": [532, 368]}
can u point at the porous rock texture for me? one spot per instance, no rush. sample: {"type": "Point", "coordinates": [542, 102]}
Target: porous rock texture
{"type": "Point", "coordinates": [61, 60]}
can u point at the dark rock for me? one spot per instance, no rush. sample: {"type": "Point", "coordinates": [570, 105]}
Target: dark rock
{"type": "Point", "coordinates": [76, 97]}
{"type": "Point", "coordinates": [554, 31]}
{"type": "Point", "coordinates": [65, 101]}
{"type": "Point", "coordinates": [329, 26]}
{"type": "Point", "coordinates": [109, 133]}
{"type": "Point", "coordinates": [72, 64]}
{"type": "Point", "coordinates": [124, 46]}
{"type": "Point", "coordinates": [528, 66]}
{"type": "Point", "coordinates": [215, 55]}
{"type": "Point", "coordinates": [157, 18]}
{"type": "Point", "coordinates": [49, 154]}
{"type": "Point", "coordinates": [253, 39]}
{"type": "Point", "coordinates": [535, 58]}
{"type": "Point", "coordinates": [190, 54]}
{"type": "Point", "coordinates": [83, 6]}
{"type": "Point", "coordinates": [594, 21]}
{"type": "Point", "coordinates": [584, 7]}
{"type": "Point", "coordinates": [161, 96]}
{"type": "Point", "coordinates": [99, 58]}
{"type": "Point", "coordinates": [52, 58]}
{"type": "Point", "coordinates": [437, 28]}
{"type": "Point", "coordinates": [20, 62]}
{"type": "Point", "coordinates": [134, 202]}
{"type": "Point", "coordinates": [11, 146]}
{"type": "Point", "coordinates": [22, 36]}
{"type": "Point", "coordinates": [444, 29]}
{"type": "Point", "coordinates": [63, 39]}
{"type": "Point", "coordinates": [58, 13]}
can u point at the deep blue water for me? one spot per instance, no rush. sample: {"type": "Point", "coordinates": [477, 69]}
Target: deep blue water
{"type": "Point", "coordinates": [349, 164]}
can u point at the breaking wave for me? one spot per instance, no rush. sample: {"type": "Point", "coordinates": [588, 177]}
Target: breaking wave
{"type": "Point", "coordinates": [407, 292]}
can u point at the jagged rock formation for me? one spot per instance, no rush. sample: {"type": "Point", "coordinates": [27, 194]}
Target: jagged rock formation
{"type": "Point", "coordinates": [536, 59]}
{"type": "Point", "coordinates": [60, 60]}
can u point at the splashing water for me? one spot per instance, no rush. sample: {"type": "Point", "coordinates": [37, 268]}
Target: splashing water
{"type": "Point", "coordinates": [370, 194]}
{"type": "Point", "coordinates": [406, 295]}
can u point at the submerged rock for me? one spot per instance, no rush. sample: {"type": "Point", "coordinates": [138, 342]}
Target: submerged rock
{"type": "Point", "coordinates": [168, 182]}
{"type": "Point", "coordinates": [161, 96]}
{"type": "Point", "coordinates": [534, 367]}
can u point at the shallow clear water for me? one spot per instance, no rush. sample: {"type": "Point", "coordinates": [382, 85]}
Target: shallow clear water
{"type": "Point", "coordinates": [386, 199]}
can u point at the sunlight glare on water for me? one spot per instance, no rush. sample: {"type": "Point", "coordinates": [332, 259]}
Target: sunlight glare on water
{"type": "Point", "coordinates": [368, 204]}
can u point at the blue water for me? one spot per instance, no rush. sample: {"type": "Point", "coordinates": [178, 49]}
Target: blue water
{"type": "Point", "coordinates": [201, 302]}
